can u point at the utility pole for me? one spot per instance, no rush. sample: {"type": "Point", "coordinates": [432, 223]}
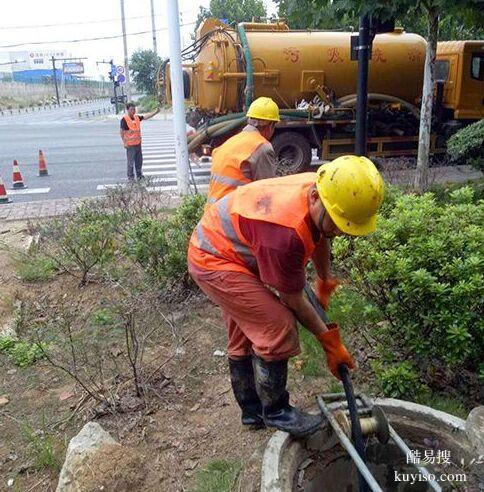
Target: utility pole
{"type": "Point", "coordinates": [125, 44]}
{"type": "Point", "coordinates": [55, 81]}
{"type": "Point", "coordinates": [178, 98]}
{"type": "Point", "coordinates": [364, 50]}
{"type": "Point", "coordinates": [153, 27]}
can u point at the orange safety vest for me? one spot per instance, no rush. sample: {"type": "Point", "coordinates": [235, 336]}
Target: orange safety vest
{"type": "Point", "coordinates": [217, 243]}
{"type": "Point", "coordinates": [133, 135]}
{"type": "Point", "coordinates": [226, 173]}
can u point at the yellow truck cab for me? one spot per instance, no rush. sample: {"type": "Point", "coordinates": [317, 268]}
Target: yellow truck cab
{"type": "Point", "coordinates": [460, 66]}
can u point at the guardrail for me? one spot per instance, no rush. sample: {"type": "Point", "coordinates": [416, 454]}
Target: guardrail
{"type": "Point", "coordinates": [47, 107]}
{"type": "Point", "coordinates": [96, 112]}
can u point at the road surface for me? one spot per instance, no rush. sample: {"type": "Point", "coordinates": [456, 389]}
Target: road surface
{"type": "Point", "coordinates": [84, 155]}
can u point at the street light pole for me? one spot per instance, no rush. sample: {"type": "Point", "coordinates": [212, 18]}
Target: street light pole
{"type": "Point", "coordinates": [125, 45]}
{"type": "Point", "coordinates": [178, 98]}
{"type": "Point", "coordinates": [153, 27]}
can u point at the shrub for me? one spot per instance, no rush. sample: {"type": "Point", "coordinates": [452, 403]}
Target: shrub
{"type": "Point", "coordinates": [159, 246]}
{"type": "Point", "coordinates": [423, 268]}
{"type": "Point", "coordinates": [84, 241]}
{"type": "Point", "coordinates": [467, 145]}
{"type": "Point", "coordinates": [400, 381]}
{"type": "Point", "coordinates": [21, 353]}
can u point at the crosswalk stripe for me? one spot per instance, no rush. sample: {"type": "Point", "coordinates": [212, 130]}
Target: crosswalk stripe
{"type": "Point", "coordinates": [198, 172]}
{"type": "Point", "coordinates": [173, 166]}
{"type": "Point", "coordinates": [29, 191]}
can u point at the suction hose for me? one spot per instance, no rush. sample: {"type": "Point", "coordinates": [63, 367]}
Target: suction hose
{"type": "Point", "coordinates": [350, 100]}
{"type": "Point", "coordinates": [356, 434]}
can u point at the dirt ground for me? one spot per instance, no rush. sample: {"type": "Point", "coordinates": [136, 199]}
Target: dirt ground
{"type": "Point", "coordinates": [189, 420]}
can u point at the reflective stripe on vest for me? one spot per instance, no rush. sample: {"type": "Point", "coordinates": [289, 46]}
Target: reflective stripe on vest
{"type": "Point", "coordinates": [282, 201]}
{"type": "Point", "coordinates": [133, 135]}
{"type": "Point", "coordinates": [227, 172]}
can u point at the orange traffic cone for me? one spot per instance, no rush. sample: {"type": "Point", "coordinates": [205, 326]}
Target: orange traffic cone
{"type": "Point", "coordinates": [42, 165]}
{"type": "Point", "coordinates": [18, 182]}
{"type": "Point", "coordinates": [3, 193]}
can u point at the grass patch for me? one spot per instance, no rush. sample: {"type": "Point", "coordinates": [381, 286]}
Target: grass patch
{"type": "Point", "coordinates": [41, 448]}
{"type": "Point", "coordinates": [217, 476]}
{"type": "Point", "coordinates": [445, 404]}
{"type": "Point", "coordinates": [36, 268]}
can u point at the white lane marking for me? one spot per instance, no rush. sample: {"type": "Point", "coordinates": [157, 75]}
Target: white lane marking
{"type": "Point", "coordinates": [172, 166]}
{"type": "Point", "coordinates": [154, 160]}
{"type": "Point", "coordinates": [29, 191]}
{"type": "Point", "coordinates": [200, 172]}
{"type": "Point", "coordinates": [201, 186]}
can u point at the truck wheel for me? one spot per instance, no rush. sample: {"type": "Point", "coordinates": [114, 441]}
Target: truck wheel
{"type": "Point", "coordinates": [293, 153]}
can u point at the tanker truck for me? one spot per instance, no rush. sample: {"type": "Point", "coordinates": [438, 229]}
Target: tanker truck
{"type": "Point", "coordinates": [312, 77]}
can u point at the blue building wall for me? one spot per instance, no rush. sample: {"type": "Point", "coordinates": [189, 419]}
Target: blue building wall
{"type": "Point", "coordinates": [39, 76]}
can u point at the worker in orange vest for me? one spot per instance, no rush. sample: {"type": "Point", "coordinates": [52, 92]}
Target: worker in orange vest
{"type": "Point", "coordinates": [131, 135]}
{"type": "Point", "coordinates": [257, 240]}
{"type": "Point", "coordinates": [247, 156]}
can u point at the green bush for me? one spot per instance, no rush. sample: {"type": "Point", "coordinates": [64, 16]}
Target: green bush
{"type": "Point", "coordinates": [467, 145]}
{"type": "Point", "coordinates": [160, 245]}
{"type": "Point", "coordinates": [423, 269]}
{"type": "Point", "coordinates": [84, 241]}
{"type": "Point", "coordinates": [21, 353]}
{"type": "Point", "coordinates": [400, 380]}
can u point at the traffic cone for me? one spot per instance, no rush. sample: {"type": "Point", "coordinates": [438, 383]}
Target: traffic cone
{"type": "Point", "coordinates": [18, 182]}
{"type": "Point", "coordinates": [3, 193]}
{"type": "Point", "coordinates": [42, 165]}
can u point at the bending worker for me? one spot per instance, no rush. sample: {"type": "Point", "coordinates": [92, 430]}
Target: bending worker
{"type": "Point", "coordinates": [247, 156]}
{"type": "Point", "coordinates": [262, 235]}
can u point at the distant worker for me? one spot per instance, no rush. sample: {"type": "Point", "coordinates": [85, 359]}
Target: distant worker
{"type": "Point", "coordinates": [247, 156]}
{"type": "Point", "coordinates": [257, 240]}
{"type": "Point", "coordinates": [131, 136]}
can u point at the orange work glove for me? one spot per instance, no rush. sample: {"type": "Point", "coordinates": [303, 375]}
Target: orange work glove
{"type": "Point", "coordinates": [324, 289]}
{"type": "Point", "coordinates": [336, 352]}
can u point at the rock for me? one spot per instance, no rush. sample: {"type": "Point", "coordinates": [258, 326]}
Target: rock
{"type": "Point", "coordinates": [91, 437]}
{"type": "Point", "coordinates": [219, 353]}
{"type": "Point", "coordinates": [10, 372]}
{"type": "Point", "coordinates": [4, 400]}
{"type": "Point", "coordinates": [475, 429]}
{"type": "Point", "coordinates": [10, 482]}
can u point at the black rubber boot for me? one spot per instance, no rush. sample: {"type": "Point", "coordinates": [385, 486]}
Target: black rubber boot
{"type": "Point", "coordinates": [243, 386]}
{"type": "Point", "coordinates": [270, 380]}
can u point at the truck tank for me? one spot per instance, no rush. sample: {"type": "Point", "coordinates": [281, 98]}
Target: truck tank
{"type": "Point", "coordinates": [231, 67]}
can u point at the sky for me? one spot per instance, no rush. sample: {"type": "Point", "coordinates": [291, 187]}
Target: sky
{"type": "Point", "coordinates": [34, 21]}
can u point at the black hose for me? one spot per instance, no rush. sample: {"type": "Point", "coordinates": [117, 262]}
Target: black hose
{"type": "Point", "coordinates": [356, 434]}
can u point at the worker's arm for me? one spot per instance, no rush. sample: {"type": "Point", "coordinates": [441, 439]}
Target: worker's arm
{"type": "Point", "coordinates": [328, 335]}
{"type": "Point", "coordinates": [322, 258]}
{"type": "Point", "coordinates": [262, 163]}
{"type": "Point", "coordinates": [150, 115]}
{"type": "Point", "coordinates": [123, 134]}
{"type": "Point", "coordinates": [304, 312]}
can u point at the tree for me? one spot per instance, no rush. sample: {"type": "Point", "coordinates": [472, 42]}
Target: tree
{"type": "Point", "coordinates": [232, 11]}
{"type": "Point", "coordinates": [144, 65]}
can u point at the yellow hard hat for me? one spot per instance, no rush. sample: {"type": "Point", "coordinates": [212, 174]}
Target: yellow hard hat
{"type": "Point", "coordinates": [264, 108]}
{"type": "Point", "coordinates": [351, 189]}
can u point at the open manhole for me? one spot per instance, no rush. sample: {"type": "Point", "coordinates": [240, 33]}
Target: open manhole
{"type": "Point", "coordinates": [450, 448]}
